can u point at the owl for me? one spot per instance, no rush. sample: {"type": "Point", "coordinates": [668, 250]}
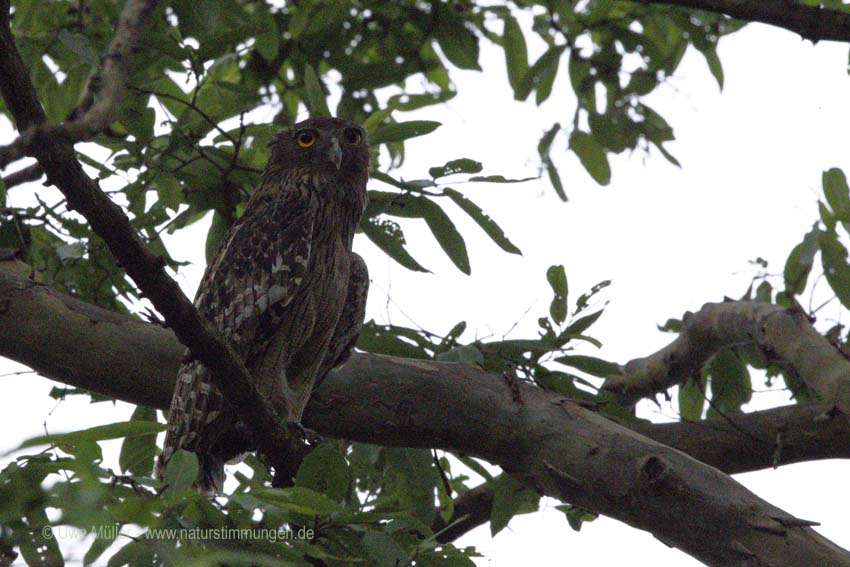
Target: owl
{"type": "Point", "coordinates": [284, 288]}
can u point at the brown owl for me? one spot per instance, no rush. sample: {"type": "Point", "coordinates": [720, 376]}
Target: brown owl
{"type": "Point", "coordinates": [284, 288]}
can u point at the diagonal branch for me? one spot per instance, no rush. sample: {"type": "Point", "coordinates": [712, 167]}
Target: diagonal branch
{"type": "Point", "coordinates": [782, 336]}
{"type": "Point", "coordinates": [108, 221]}
{"type": "Point", "coordinates": [563, 450]}
{"type": "Point", "coordinates": [733, 444]}
{"type": "Point", "coordinates": [106, 89]}
{"type": "Point", "coordinates": [811, 22]}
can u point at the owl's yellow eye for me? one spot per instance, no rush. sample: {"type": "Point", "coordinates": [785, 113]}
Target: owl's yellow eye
{"type": "Point", "coordinates": [305, 138]}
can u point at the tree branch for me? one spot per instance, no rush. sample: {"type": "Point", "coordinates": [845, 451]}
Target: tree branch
{"type": "Point", "coordinates": [106, 89]}
{"type": "Point", "coordinates": [109, 222]}
{"type": "Point", "coordinates": [814, 23]}
{"type": "Point", "coordinates": [781, 336]}
{"type": "Point", "coordinates": [563, 450]}
{"type": "Point", "coordinates": [471, 509]}
{"type": "Point", "coordinates": [30, 173]}
{"type": "Point", "coordinates": [734, 444]}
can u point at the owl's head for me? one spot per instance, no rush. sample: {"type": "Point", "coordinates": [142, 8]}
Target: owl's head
{"type": "Point", "coordinates": [331, 145]}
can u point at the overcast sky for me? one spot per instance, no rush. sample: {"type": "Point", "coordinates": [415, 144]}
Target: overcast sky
{"type": "Point", "coordinates": [670, 239]}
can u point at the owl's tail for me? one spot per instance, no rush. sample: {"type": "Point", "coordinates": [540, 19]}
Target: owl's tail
{"type": "Point", "coordinates": [190, 412]}
{"type": "Point", "coordinates": [210, 474]}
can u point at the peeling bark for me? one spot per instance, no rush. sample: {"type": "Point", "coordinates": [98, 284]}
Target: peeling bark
{"type": "Point", "coordinates": [784, 337]}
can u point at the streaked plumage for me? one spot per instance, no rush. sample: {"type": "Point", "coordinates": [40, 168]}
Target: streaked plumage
{"type": "Point", "coordinates": [277, 289]}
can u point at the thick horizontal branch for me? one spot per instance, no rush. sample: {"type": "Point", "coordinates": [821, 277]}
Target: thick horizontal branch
{"type": "Point", "coordinates": [781, 336]}
{"type": "Point", "coordinates": [108, 221]}
{"type": "Point", "coordinates": [734, 444]}
{"type": "Point", "coordinates": [814, 23]}
{"type": "Point", "coordinates": [565, 451]}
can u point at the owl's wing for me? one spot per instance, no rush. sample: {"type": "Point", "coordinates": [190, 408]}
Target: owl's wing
{"type": "Point", "coordinates": [350, 320]}
{"type": "Point", "coordinates": [259, 267]}
{"type": "Point", "coordinates": [257, 271]}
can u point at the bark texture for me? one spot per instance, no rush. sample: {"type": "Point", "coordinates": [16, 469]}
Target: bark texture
{"type": "Point", "coordinates": [558, 447]}
{"type": "Point", "coordinates": [776, 335]}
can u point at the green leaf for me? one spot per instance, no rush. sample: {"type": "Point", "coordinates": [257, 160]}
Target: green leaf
{"type": "Point", "coordinates": [483, 220]}
{"type": "Point", "coordinates": [800, 261]}
{"type": "Point", "coordinates": [557, 278]}
{"type": "Point", "coordinates": [97, 433]}
{"type": "Point", "coordinates": [466, 354]}
{"type": "Point", "coordinates": [38, 542]}
{"type": "Point", "coordinates": [714, 65]}
{"type": "Point", "coordinates": [590, 364]}
{"type": "Point", "coordinates": [558, 382]}
{"type": "Point", "coordinates": [181, 472]}
{"type": "Point", "coordinates": [536, 73]}
{"type": "Point", "coordinates": [377, 118]}
{"type": "Point", "coordinates": [826, 216]}
{"type": "Point", "coordinates": [387, 340]}
{"type": "Point", "coordinates": [764, 292]}
{"type": "Point", "coordinates": [447, 236]}
{"type": "Point", "coordinates": [545, 144]}
{"type": "Point", "coordinates": [555, 179]}
{"type": "Point", "coordinates": [383, 550]}
{"type": "Point", "coordinates": [459, 44]}
{"type": "Point", "coordinates": [499, 179]}
{"type": "Point", "coordinates": [576, 516]}
{"type": "Point", "coordinates": [463, 165]}
{"type": "Point", "coordinates": [388, 236]}
{"type": "Point", "coordinates": [315, 93]}
{"type": "Point", "coordinates": [730, 383]}
{"type": "Point", "coordinates": [100, 544]}
{"type": "Point", "coordinates": [516, 52]}
{"type": "Point", "coordinates": [325, 471]}
{"type": "Point", "coordinates": [416, 478]}
{"type": "Point", "coordinates": [477, 467]}
{"type": "Point", "coordinates": [442, 227]}
{"type": "Point", "coordinates": [591, 155]}
{"type": "Point", "coordinates": [399, 131]}
{"type": "Point", "coordinates": [168, 191]}
{"type": "Point", "coordinates": [80, 46]}
{"type": "Point", "coordinates": [578, 326]}
{"type": "Point", "coordinates": [138, 452]}
{"type": "Point", "coordinates": [137, 118]}
{"type": "Point", "coordinates": [218, 228]}
{"type": "Point", "coordinates": [691, 401]}
{"type": "Point", "coordinates": [267, 43]}
{"type": "Point", "coordinates": [510, 497]}
{"type": "Point", "coordinates": [835, 267]}
{"type": "Point", "coordinates": [453, 334]}
{"type": "Point", "coordinates": [837, 193]}
{"type": "Point", "coordinates": [546, 79]}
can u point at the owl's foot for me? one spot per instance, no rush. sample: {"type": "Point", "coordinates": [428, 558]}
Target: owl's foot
{"type": "Point", "coordinates": [285, 467]}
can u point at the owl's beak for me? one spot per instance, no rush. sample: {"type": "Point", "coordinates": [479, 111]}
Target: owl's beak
{"type": "Point", "coordinates": [335, 153]}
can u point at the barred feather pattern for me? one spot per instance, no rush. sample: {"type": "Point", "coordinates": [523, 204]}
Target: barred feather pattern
{"type": "Point", "coordinates": [347, 332]}
{"type": "Point", "coordinates": [276, 290]}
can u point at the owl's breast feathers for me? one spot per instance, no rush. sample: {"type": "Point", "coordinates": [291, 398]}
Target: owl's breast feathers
{"type": "Point", "coordinates": [275, 290]}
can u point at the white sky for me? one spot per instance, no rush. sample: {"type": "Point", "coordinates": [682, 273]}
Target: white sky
{"type": "Point", "coordinates": [670, 239]}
